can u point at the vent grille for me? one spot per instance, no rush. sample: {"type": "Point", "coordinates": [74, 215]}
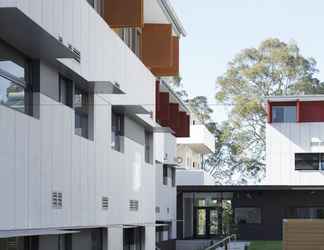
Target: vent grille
{"type": "Point", "coordinates": [105, 203]}
{"type": "Point", "coordinates": [76, 52]}
{"type": "Point", "coordinates": [157, 210]}
{"type": "Point", "coordinates": [57, 200]}
{"type": "Point", "coordinates": [133, 205]}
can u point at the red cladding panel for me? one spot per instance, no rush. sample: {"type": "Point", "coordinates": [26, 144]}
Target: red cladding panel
{"type": "Point", "coordinates": [173, 121]}
{"type": "Point", "coordinates": [311, 111]}
{"type": "Point", "coordinates": [183, 125]}
{"type": "Point", "coordinates": [163, 116]}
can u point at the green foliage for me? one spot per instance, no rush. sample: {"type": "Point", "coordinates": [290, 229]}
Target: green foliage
{"type": "Point", "coordinates": [200, 107]}
{"type": "Point", "coordinates": [265, 245]}
{"type": "Point", "coordinates": [274, 68]}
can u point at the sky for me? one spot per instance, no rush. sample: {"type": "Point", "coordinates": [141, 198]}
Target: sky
{"type": "Point", "coordinates": [219, 29]}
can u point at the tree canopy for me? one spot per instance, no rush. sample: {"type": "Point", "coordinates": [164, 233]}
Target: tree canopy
{"type": "Point", "coordinates": [273, 68]}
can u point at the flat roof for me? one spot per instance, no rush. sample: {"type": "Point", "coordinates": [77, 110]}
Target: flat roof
{"type": "Point", "coordinates": [236, 188]}
{"type": "Point", "coordinates": [293, 98]}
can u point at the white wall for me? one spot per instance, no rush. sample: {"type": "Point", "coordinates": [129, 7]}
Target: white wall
{"type": "Point", "coordinates": [41, 156]}
{"type": "Point", "coordinates": [104, 57]}
{"type": "Point", "coordinates": [188, 157]}
{"type": "Point", "coordinates": [194, 177]}
{"type": "Point", "coordinates": [283, 140]}
{"type": "Point", "coordinates": [166, 196]}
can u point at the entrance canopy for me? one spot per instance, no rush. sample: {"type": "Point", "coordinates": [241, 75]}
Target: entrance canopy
{"type": "Point", "coordinates": [33, 232]}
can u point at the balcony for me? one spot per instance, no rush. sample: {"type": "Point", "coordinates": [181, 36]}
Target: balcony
{"type": "Point", "coordinates": [200, 140]}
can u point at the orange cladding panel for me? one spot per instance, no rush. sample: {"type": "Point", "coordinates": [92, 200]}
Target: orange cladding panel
{"type": "Point", "coordinates": [172, 70]}
{"type": "Point", "coordinates": [124, 13]}
{"type": "Point", "coordinates": [157, 45]}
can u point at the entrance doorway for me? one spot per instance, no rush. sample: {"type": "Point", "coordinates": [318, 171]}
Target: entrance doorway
{"type": "Point", "coordinates": [207, 222]}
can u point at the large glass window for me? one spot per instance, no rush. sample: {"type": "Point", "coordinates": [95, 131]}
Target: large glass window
{"type": "Point", "coordinates": [117, 131]}
{"type": "Point", "coordinates": [309, 161]}
{"type": "Point", "coordinates": [306, 213]}
{"type": "Point", "coordinates": [284, 114]}
{"type": "Point", "coordinates": [81, 107]}
{"type": "Point", "coordinates": [14, 85]}
{"type": "Point", "coordinates": [247, 215]}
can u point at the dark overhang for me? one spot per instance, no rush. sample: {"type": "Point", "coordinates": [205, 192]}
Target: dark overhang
{"type": "Point", "coordinates": [211, 189]}
{"type": "Point", "coordinates": [23, 33]}
{"type": "Point", "coordinates": [34, 232]}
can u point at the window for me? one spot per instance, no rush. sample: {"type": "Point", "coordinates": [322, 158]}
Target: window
{"type": "Point", "coordinates": [165, 175]}
{"type": "Point", "coordinates": [247, 215]}
{"type": "Point", "coordinates": [284, 114]}
{"type": "Point", "coordinates": [148, 147]}
{"type": "Point", "coordinates": [81, 107]}
{"type": "Point", "coordinates": [134, 238]}
{"type": "Point", "coordinates": [306, 213]}
{"type": "Point", "coordinates": [309, 161]}
{"type": "Point", "coordinates": [173, 172]}
{"type": "Point", "coordinates": [132, 38]}
{"type": "Point", "coordinates": [65, 91]}
{"type": "Point", "coordinates": [117, 131]}
{"type": "Point", "coordinates": [15, 88]}
{"type": "Point", "coordinates": [96, 239]}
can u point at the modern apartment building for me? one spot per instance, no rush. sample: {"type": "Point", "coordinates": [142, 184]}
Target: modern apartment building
{"type": "Point", "coordinates": [294, 140]}
{"type": "Point", "coordinates": [174, 122]}
{"type": "Point", "coordinates": [192, 153]}
{"type": "Point", "coordinates": [78, 121]}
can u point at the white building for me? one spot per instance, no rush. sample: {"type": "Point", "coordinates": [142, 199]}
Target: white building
{"type": "Point", "coordinates": [191, 154]}
{"type": "Point", "coordinates": [77, 121]}
{"type": "Point", "coordinates": [295, 140]}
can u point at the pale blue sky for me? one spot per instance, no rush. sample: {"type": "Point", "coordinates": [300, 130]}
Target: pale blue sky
{"type": "Point", "coordinates": [218, 29]}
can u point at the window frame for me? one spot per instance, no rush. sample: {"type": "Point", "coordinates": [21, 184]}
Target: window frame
{"type": "Point", "coordinates": [119, 119]}
{"type": "Point", "coordinates": [165, 174]}
{"type": "Point", "coordinates": [284, 108]}
{"type": "Point", "coordinates": [173, 176]}
{"type": "Point", "coordinates": [320, 163]}
{"type": "Point", "coordinates": [25, 83]}
{"type": "Point", "coordinates": [78, 111]}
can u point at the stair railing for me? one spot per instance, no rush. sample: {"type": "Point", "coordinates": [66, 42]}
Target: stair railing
{"type": "Point", "coordinates": [224, 242]}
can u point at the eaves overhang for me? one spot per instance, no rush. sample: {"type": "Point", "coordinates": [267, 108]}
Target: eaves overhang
{"type": "Point", "coordinates": [27, 36]}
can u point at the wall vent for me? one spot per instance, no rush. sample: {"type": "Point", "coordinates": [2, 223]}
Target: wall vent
{"type": "Point", "coordinates": [57, 200]}
{"type": "Point", "coordinates": [168, 210]}
{"type": "Point", "coordinates": [105, 203]}
{"type": "Point", "coordinates": [12, 243]}
{"type": "Point", "coordinates": [133, 205]}
{"type": "Point", "coordinates": [157, 210]}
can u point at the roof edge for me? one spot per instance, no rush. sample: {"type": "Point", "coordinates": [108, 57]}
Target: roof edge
{"type": "Point", "coordinates": [172, 16]}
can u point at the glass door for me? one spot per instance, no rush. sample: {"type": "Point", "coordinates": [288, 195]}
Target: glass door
{"type": "Point", "coordinates": [206, 222]}
{"type": "Point", "coordinates": [201, 222]}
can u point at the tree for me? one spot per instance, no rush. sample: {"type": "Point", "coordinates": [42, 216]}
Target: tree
{"type": "Point", "coordinates": [274, 68]}
{"type": "Point", "coordinates": [201, 109]}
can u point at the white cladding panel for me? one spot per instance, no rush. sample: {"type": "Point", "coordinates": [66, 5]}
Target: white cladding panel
{"type": "Point", "coordinates": [194, 177]}
{"type": "Point", "coordinates": [283, 140]}
{"type": "Point", "coordinates": [165, 199]}
{"type": "Point", "coordinates": [104, 57]}
{"type": "Point", "coordinates": [42, 156]}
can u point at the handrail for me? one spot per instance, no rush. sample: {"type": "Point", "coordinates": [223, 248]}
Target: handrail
{"type": "Point", "coordinates": [225, 240]}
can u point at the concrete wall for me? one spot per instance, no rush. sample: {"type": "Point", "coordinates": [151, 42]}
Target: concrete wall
{"type": "Point", "coordinates": [283, 140]}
